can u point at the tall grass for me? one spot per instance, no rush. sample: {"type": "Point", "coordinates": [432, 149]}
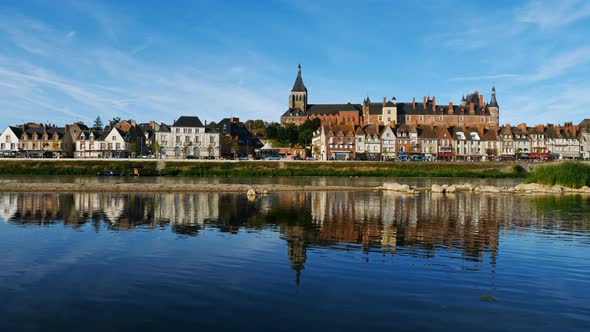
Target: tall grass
{"type": "Point", "coordinates": [567, 174]}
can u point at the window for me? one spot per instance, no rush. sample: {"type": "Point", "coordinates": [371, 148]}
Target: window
{"type": "Point", "coordinates": [388, 111]}
{"type": "Point", "coordinates": [360, 139]}
{"type": "Point", "coordinates": [440, 118]}
{"type": "Point", "coordinates": [187, 139]}
{"type": "Point", "coordinates": [118, 146]}
{"type": "Point", "coordinates": [190, 131]}
{"type": "Point", "coordinates": [421, 118]}
{"type": "Point", "coordinates": [177, 139]}
{"type": "Point", "coordinates": [178, 130]}
{"type": "Point", "coordinates": [211, 139]}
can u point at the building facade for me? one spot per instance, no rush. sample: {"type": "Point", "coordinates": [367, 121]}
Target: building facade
{"type": "Point", "coordinates": [473, 110]}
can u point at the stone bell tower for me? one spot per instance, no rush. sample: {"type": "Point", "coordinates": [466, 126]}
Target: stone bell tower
{"type": "Point", "coordinates": [494, 109]}
{"type": "Point", "coordinates": [298, 96]}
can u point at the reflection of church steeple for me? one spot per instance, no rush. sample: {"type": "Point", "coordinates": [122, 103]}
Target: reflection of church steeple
{"type": "Point", "coordinates": [297, 251]}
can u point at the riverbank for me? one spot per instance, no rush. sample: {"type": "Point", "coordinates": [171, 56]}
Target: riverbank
{"type": "Point", "coordinates": [261, 189]}
{"type": "Point", "coordinates": [208, 168]}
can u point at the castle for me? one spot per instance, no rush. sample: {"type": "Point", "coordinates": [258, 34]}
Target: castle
{"type": "Point", "coordinates": [472, 111]}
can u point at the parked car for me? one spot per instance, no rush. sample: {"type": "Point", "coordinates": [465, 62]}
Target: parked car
{"type": "Point", "coordinates": [243, 158]}
{"type": "Point", "coordinates": [310, 158]}
{"type": "Point", "coordinates": [274, 158]}
{"type": "Point", "coordinates": [107, 173]}
{"type": "Point", "coordinates": [191, 157]}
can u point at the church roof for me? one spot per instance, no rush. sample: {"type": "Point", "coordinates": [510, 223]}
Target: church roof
{"type": "Point", "coordinates": [298, 86]}
{"type": "Point", "coordinates": [332, 108]}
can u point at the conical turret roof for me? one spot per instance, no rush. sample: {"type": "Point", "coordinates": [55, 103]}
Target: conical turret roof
{"type": "Point", "coordinates": [493, 101]}
{"type": "Point", "coordinates": [299, 86]}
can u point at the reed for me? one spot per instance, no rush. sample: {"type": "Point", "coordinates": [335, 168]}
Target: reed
{"type": "Point", "coordinates": [568, 174]}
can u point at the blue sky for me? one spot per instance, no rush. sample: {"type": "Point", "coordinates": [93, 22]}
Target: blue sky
{"type": "Point", "coordinates": [64, 61]}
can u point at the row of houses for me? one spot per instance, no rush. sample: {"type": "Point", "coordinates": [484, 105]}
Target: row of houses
{"type": "Point", "coordinates": [375, 142]}
{"type": "Point", "coordinates": [187, 136]}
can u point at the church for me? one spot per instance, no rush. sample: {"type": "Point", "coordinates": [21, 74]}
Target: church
{"type": "Point", "coordinates": [472, 111]}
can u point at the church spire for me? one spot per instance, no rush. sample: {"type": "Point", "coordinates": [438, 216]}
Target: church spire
{"type": "Point", "coordinates": [299, 86]}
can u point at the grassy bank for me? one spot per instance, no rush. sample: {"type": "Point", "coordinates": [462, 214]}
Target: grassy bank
{"type": "Point", "coordinates": [567, 174]}
{"type": "Point", "coordinates": [74, 167]}
{"type": "Point", "coordinates": [262, 168]}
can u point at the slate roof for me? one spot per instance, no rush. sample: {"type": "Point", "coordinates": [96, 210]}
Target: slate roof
{"type": "Point", "coordinates": [188, 121]}
{"type": "Point", "coordinates": [332, 108]}
{"type": "Point", "coordinates": [490, 135]}
{"type": "Point", "coordinates": [298, 86]}
{"type": "Point", "coordinates": [18, 131]}
{"type": "Point", "coordinates": [493, 101]}
{"type": "Point", "coordinates": [164, 128]}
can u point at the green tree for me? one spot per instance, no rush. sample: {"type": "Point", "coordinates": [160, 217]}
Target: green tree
{"type": "Point", "coordinates": [155, 148]}
{"type": "Point", "coordinates": [305, 137]}
{"type": "Point", "coordinates": [272, 130]}
{"type": "Point", "coordinates": [98, 123]}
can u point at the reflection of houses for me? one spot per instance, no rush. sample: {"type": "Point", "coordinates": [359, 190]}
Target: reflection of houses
{"type": "Point", "coordinates": [186, 208]}
{"type": "Point", "coordinates": [8, 205]}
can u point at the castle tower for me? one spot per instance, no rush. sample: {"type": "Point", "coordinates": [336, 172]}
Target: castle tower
{"type": "Point", "coordinates": [298, 96]}
{"type": "Point", "coordinates": [494, 108]}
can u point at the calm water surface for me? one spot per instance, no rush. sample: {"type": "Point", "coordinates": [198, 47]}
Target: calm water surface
{"type": "Point", "coordinates": [319, 261]}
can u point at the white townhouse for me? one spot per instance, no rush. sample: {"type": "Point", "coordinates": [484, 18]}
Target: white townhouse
{"type": "Point", "coordinates": [388, 143]}
{"type": "Point", "coordinates": [9, 141]}
{"type": "Point", "coordinates": [113, 144]}
{"type": "Point", "coordinates": [188, 137]}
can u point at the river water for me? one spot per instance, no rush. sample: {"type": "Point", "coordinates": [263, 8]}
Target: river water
{"type": "Point", "coordinates": [313, 261]}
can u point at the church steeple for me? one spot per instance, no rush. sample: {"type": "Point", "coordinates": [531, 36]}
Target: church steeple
{"type": "Point", "coordinates": [298, 96]}
{"type": "Point", "coordinates": [493, 101]}
{"type": "Point", "coordinates": [299, 86]}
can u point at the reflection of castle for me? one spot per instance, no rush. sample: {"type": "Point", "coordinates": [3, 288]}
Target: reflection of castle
{"type": "Point", "coordinates": [425, 225]}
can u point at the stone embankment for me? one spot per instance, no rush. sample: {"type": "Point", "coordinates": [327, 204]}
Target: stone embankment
{"type": "Point", "coordinates": [523, 188]}
{"type": "Point", "coordinates": [254, 191]}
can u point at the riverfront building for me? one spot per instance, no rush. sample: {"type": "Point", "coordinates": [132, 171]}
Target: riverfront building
{"type": "Point", "coordinates": [471, 111]}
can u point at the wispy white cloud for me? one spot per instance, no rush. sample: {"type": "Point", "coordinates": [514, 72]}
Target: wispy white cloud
{"type": "Point", "coordinates": [561, 64]}
{"type": "Point", "coordinates": [109, 82]}
{"type": "Point", "coordinates": [553, 14]}
{"type": "Point", "coordinates": [484, 77]}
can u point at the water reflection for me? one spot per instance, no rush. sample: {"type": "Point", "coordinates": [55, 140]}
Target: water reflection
{"type": "Point", "coordinates": [463, 225]}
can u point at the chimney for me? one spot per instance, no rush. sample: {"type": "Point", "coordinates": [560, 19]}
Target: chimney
{"type": "Point", "coordinates": [433, 104]}
{"type": "Point", "coordinates": [414, 103]}
{"type": "Point", "coordinates": [424, 103]}
{"type": "Point", "coordinates": [481, 102]}
{"type": "Point", "coordinates": [152, 124]}
{"type": "Point", "coordinates": [384, 101]}
{"type": "Point", "coordinates": [471, 108]}
{"type": "Point", "coordinates": [522, 126]}
{"type": "Point", "coordinates": [451, 109]}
